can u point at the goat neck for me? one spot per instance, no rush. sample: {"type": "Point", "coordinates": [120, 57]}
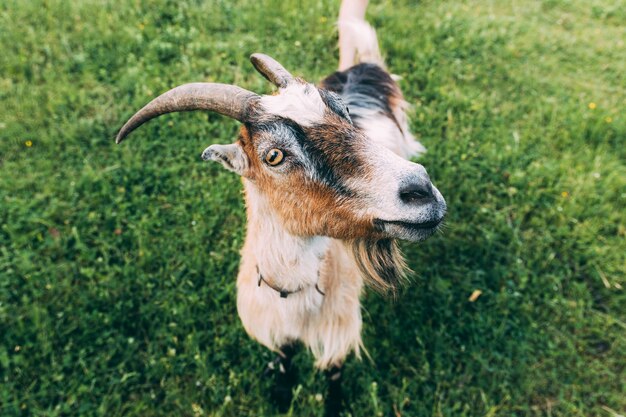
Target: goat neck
{"type": "Point", "coordinates": [288, 261]}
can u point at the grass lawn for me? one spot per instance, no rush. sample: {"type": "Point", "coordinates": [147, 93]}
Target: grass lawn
{"type": "Point", "coordinates": [118, 263]}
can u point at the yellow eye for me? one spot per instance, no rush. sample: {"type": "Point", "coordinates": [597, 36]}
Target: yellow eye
{"type": "Point", "coordinates": [274, 157]}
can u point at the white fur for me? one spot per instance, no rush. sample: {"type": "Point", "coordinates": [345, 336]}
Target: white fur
{"type": "Point", "coordinates": [354, 33]}
{"type": "Point", "coordinates": [329, 325]}
{"type": "Point", "coordinates": [383, 131]}
{"type": "Point", "coordinates": [299, 102]}
{"type": "Point", "coordinates": [232, 157]}
{"type": "Point", "coordinates": [290, 262]}
{"type": "Point", "coordinates": [357, 43]}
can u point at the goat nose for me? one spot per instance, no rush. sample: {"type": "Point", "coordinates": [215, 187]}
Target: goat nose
{"type": "Point", "coordinates": [416, 192]}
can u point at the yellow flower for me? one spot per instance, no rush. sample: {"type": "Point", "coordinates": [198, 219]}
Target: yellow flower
{"type": "Point", "coordinates": [592, 105]}
{"type": "Point", "coordinates": [608, 119]}
{"type": "Point", "coordinates": [28, 143]}
{"type": "Point", "coordinates": [564, 194]}
{"type": "Point", "coordinates": [141, 26]}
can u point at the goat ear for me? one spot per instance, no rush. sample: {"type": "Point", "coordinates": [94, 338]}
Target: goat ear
{"type": "Point", "coordinates": [231, 156]}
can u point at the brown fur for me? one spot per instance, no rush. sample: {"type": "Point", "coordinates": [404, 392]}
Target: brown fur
{"type": "Point", "coordinates": [331, 333]}
{"type": "Point", "coordinates": [372, 79]}
{"type": "Point", "coordinates": [312, 208]}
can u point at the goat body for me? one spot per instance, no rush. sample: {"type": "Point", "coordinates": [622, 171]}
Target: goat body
{"type": "Point", "coordinates": [329, 323]}
{"type": "Point", "coordinates": [328, 190]}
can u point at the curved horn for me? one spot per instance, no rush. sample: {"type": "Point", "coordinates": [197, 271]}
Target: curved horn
{"type": "Point", "coordinates": [271, 69]}
{"type": "Point", "coordinates": [229, 100]}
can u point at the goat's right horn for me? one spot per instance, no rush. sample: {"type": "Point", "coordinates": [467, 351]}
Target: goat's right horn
{"type": "Point", "coordinates": [229, 100]}
{"type": "Point", "coordinates": [272, 70]}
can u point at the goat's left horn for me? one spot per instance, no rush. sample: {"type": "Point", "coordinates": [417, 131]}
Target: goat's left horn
{"type": "Point", "coordinates": [228, 100]}
{"type": "Point", "coordinates": [272, 70]}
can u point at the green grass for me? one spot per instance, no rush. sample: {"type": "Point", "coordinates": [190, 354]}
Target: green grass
{"type": "Point", "coordinates": [118, 263]}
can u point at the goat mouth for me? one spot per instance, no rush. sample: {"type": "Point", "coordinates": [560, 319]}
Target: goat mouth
{"type": "Point", "coordinates": [409, 225]}
{"type": "Point", "coordinates": [412, 231]}
{"type": "Point", "coordinates": [416, 226]}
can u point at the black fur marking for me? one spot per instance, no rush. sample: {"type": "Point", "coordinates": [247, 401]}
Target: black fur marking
{"type": "Point", "coordinates": [364, 86]}
{"type": "Point", "coordinates": [334, 397]}
{"type": "Point", "coordinates": [285, 378]}
{"type": "Point", "coordinates": [334, 102]}
{"type": "Point", "coordinates": [331, 159]}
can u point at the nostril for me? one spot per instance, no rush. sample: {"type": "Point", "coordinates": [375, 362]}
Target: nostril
{"type": "Point", "coordinates": [416, 192]}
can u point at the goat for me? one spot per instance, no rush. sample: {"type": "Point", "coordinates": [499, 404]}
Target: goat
{"type": "Point", "coordinates": [328, 192]}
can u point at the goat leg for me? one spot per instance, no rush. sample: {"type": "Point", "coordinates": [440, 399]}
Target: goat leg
{"type": "Point", "coordinates": [285, 377]}
{"type": "Point", "coordinates": [334, 396]}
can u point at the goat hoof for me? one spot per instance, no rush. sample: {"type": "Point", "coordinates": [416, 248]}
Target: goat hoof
{"type": "Point", "coordinates": [333, 406]}
{"type": "Point", "coordinates": [284, 376]}
{"type": "Point", "coordinates": [334, 402]}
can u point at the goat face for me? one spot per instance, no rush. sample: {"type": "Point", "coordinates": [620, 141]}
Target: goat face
{"type": "Point", "coordinates": [320, 173]}
{"type": "Point", "coordinates": [323, 176]}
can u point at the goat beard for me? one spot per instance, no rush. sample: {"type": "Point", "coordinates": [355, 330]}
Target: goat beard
{"type": "Point", "coordinates": [381, 263]}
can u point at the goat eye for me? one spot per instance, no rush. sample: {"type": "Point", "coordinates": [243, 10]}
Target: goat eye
{"type": "Point", "coordinates": [274, 157]}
